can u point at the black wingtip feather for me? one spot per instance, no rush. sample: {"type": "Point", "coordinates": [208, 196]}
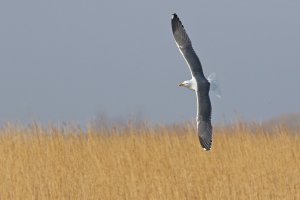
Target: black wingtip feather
{"type": "Point", "coordinates": [175, 22]}
{"type": "Point", "coordinates": [174, 15]}
{"type": "Point", "coordinates": [206, 145]}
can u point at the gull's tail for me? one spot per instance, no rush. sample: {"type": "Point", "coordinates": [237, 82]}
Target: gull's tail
{"type": "Point", "coordinates": [214, 85]}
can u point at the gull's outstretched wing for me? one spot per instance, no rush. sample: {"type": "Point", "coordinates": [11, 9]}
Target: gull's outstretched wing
{"type": "Point", "coordinates": [185, 46]}
{"type": "Point", "coordinates": [204, 127]}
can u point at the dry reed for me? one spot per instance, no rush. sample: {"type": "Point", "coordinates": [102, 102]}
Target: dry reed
{"type": "Point", "coordinates": [246, 162]}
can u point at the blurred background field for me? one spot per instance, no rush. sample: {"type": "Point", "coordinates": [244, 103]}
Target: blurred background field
{"type": "Point", "coordinates": [137, 161]}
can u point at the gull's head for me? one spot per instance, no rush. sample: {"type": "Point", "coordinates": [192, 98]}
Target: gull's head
{"type": "Point", "coordinates": [186, 84]}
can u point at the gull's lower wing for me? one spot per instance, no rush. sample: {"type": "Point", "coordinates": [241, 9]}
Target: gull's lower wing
{"type": "Point", "coordinates": [185, 46]}
{"type": "Point", "coordinates": [204, 126]}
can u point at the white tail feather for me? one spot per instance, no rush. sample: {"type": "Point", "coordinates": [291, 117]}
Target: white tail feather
{"type": "Point", "coordinates": [214, 85]}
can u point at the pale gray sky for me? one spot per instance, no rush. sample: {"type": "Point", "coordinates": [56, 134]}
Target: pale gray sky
{"type": "Point", "coordinates": [71, 60]}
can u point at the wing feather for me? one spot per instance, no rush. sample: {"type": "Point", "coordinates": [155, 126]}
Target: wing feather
{"type": "Point", "coordinates": [204, 126]}
{"type": "Point", "coordinates": [185, 46]}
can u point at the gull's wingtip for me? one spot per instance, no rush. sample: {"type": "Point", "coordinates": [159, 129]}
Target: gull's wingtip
{"type": "Point", "coordinates": [206, 145]}
{"type": "Point", "coordinates": [205, 135]}
{"type": "Point", "coordinates": [175, 22]}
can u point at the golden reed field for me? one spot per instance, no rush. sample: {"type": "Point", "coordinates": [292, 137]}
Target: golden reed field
{"type": "Point", "coordinates": [246, 162]}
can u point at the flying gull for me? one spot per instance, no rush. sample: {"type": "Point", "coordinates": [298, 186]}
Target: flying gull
{"type": "Point", "coordinates": [198, 83]}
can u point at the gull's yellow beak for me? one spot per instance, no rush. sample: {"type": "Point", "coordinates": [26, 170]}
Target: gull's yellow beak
{"type": "Point", "coordinates": [180, 84]}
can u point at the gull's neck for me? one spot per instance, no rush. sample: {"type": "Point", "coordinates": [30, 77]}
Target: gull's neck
{"type": "Point", "coordinates": [193, 84]}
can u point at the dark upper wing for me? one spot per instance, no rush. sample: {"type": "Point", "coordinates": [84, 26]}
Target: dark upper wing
{"type": "Point", "coordinates": [204, 126]}
{"type": "Point", "coordinates": [185, 46]}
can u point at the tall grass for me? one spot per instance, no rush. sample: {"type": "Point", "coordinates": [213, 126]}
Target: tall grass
{"type": "Point", "coordinates": [246, 162]}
